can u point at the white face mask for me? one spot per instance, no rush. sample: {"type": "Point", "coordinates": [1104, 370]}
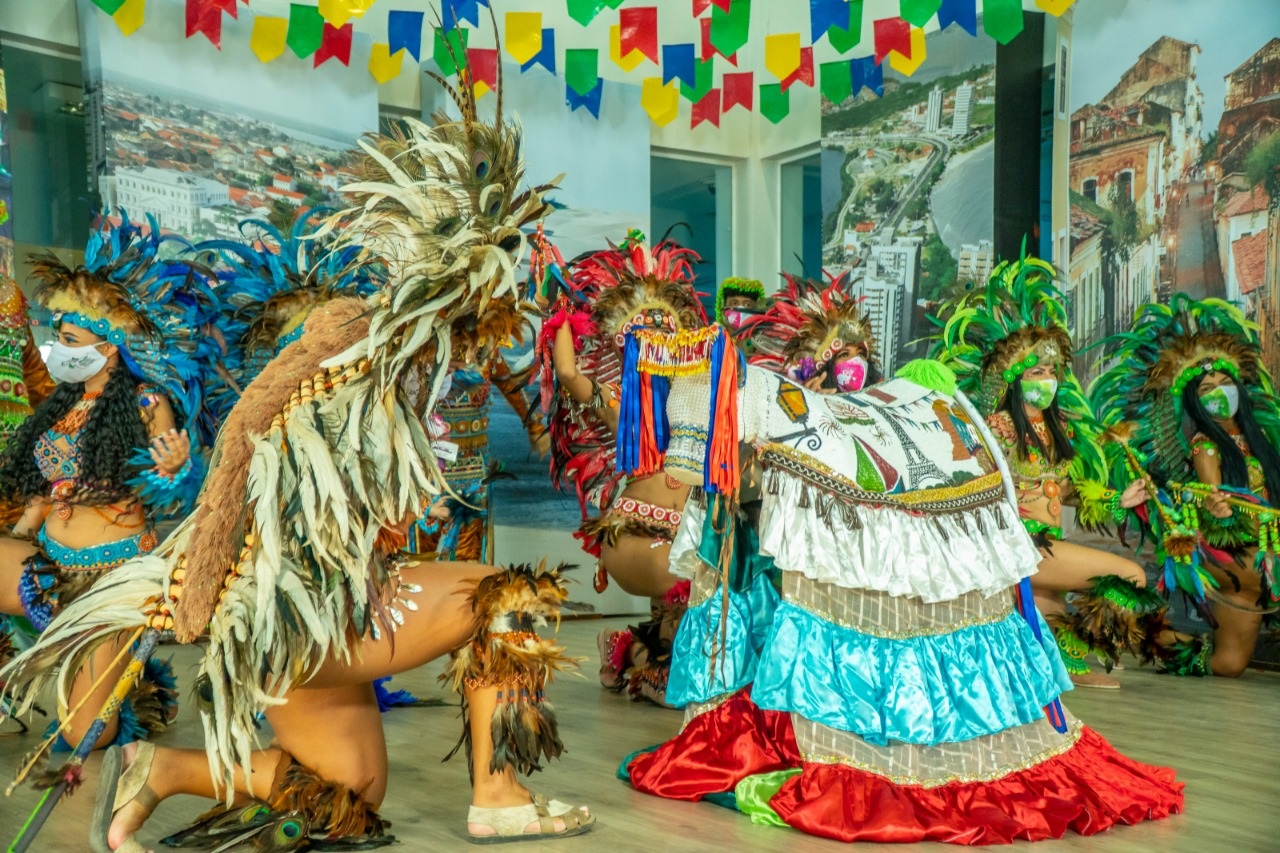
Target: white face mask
{"type": "Point", "coordinates": [74, 364]}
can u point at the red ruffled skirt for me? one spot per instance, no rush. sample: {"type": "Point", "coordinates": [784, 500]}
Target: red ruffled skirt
{"type": "Point", "coordinates": [1088, 788]}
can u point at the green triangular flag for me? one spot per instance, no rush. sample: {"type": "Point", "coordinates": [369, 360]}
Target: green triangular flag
{"type": "Point", "coordinates": [450, 50]}
{"type": "Point", "coordinates": [775, 104]}
{"type": "Point", "coordinates": [918, 12]}
{"type": "Point", "coordinates": [584, 11]}
{"type": "Point", "coordinates": [109, 6]}
{"type": "Point", "coordinates": [703, 79]}
{"type": "Point", "coordinates": [730, 30]}
{"type": "Point", "coordinates": [845, 40]}
{"type": "Point", "coordinates": [1002, 19]}
{"type": "Point", "coordinates": [837, 81]}
{"type": "Point", "coordinates": [306, 30]}
{"type": "Point", "coordinates": [582, 70]}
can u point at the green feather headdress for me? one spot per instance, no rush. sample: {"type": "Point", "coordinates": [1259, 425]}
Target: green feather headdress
{"type": "Point", "coordinates": [731, 287]}
{"type": "Point", "coordinates": [990, 337]}
{"type": "Point", "coordinates": [1167, 347]}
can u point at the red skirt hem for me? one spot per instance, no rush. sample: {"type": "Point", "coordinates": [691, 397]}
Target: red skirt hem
{"type": "Point", "coordinates": [1087, 789]}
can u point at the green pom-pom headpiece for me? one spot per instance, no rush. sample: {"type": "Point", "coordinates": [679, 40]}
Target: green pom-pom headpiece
{"type": "Point", "coordinates": [731, 287]}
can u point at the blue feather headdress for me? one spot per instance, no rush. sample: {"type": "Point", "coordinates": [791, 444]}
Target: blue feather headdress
{"type": "Point", "coordinates": [135, 291]}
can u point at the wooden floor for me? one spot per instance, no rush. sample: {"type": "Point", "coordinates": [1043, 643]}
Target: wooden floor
{"type": "Point", "coordinates": [1222, 736]}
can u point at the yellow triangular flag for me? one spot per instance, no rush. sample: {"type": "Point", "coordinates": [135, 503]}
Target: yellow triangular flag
{"type": "Point", "coordinates": [782, 54]}
{"type": "Point", "coordinates": [661, 102]}
{"type": "Point", "coordinates": [338, 12]}
{"type": "Point", "coordinates": [524, 35]}
{"type": "Point", "coordinates": [1055, 7]}
{"type": "Point", "coordinates": [129, 16]}
{"type": "Point", "coordinates": [629, 62]}
{"type": "Point", "coordinates": [268, 37]}
{"type": "Point", "coordinates": [908, 65]}
{"type": "Point", "coordinates": [383, 64]}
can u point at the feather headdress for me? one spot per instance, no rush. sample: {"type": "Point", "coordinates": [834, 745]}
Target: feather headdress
{"type": "Point", "coordinates": [740, 287]}
{"type": "Point", "coordinates": [1167, 347]}
{"type": "Point", "coordinates": [990, 337]}
{"type": "Point", "coordinates": [161, 311]}
{"type": "Point", "coordinates": [269, 283]}
{"type": "Point", "coordinates": [809, 319]}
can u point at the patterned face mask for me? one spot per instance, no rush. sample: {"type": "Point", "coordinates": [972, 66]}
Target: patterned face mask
{"type": "Point", "coordinates": [851, 374]}
{"type": "Point", "coordinates": [738, 317]}
{"type": "Point", "coordinates": [1039, 393]}
{"type": "Point", "coordinates": [1222, 402]}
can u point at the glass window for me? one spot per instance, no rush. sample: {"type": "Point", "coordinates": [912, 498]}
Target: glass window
{"type": "Point", "coordinates": [691, 202]}
{"type": "Point", "coordinates": [801, 217]}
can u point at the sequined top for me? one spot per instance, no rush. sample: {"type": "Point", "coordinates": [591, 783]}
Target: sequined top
{"type": "Point", "coordinates": [1033, 475]}
{"type": "Point", "coordinates": [1257, 480]}
{"type": "Point", "coordinates": [57, 450]}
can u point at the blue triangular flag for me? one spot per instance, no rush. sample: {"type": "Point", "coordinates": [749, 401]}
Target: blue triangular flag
{"type": "Point", "coordinates": [962, 12]}
{"type": "Point", "coordinates": [825, 14]}
{"type": "Point", "coordinates": [591, 100]}
{"type": "Point", "coordinates": [547, 56]}
{"type": "Point", "coordinates": [404, 30]}
{"type": "Point", "coordinates": [679, 63]}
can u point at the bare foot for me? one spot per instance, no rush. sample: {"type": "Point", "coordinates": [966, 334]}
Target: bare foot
{"type": "Point", "coordinates": [130, 817]}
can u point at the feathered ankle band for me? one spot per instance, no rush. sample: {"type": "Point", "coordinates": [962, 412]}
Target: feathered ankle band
{"type": "Point", "coordinates": [505, 652]}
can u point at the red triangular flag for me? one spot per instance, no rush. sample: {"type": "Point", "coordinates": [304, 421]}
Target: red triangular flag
{"type": "Point", "coordinates": [892, 34]}
{"type": "Point", "coordinates": [335, 43]}
{"type": "Point", "coordinates": [228, 6]}
{"type": "Point", "coordinates": [700, 6]}
{"type": "Point", "coordinates": [482, 64]}
{"type": "Point", "coordinates": [638, 30]}
{"type": "Point", "coordinates": [205, 16]}
{"type": "Point", "coordinates": [739, 90]}
{"type": "Point", "coordinates": [802, 74]}
{"type": "Point", "coordinates": [707, 109]}
{"type": "Point", "coordinates": [708, 49]}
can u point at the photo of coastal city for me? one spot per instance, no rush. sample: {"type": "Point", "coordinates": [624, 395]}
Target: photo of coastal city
{"type": "Point", "coordinates": [908, 186]}
{"type": "Point", "coordinates": [202, 151]}
{"type": "Point", "coordinates": [1175, 145]}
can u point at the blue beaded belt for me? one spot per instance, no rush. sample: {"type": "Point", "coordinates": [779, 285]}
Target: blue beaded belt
{"type": "Point", "coordinates": [97, 557]}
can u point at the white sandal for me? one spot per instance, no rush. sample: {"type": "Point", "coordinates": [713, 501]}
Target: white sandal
{"type": "Point", "coordinates": [509, 824]}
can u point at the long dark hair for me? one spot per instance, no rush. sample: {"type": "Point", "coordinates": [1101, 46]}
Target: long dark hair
{"type": "Point", "coordinates": [1235, 470]}
{"type": "Point", "coordinates": [1062, 451]}
{"type": "Point", "coordinates": [114, 432]}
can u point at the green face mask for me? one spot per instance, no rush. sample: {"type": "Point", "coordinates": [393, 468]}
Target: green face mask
{"type": "Point", "coordinates": [1222, 402]}
{"type": "Point", "coordinates": [1039, 393]}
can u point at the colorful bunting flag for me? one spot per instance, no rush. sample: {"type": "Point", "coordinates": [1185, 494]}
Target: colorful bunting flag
{"type": "Point", "coordinates": [455, 12]}
{"type": "Point", "coordinates": [707, 109]}
{"type": "Point", "coordinates": [335, 43]}
{"type": "Point", "coordinates": [907, 65]}
{"type": "Point", "coordinates": [581, 70]}
{"type": "Point", "coordinates": [591, 100]}
{"type": "Point", "coordinates": [1055, 7]}
{"type": "Point", "coordinates": [449, 49]}
{"type": "Point", "coordinates": [700, 6]}
{"type": "Point", "coordinates": [404, 30]}
{"type": "Point", "coordinates": [846, 38]}
{"type": "Point", "coordinates": [660, 100]}
{"type": "Point", "coordinates": [547, 56]}
{"type": "Point", "coordinates": [584, 11]}
{"type": "Point", "coordinates": [482, 69]}
{"type": "Point", "coordinates": [867, 73]}
{"type": "Point", "coordinates": [962, 12]}
{"type": "Point", "coordinates": [639, 31]}
{"type": "Point", "coordinates": [523, 37]}
{"type": "Point", "coordinates": [782, 54]}
{"type": "Point", "coordinates": [708, 49]}
{"type": "Point", "coordinates": [338, 12]}
{"type": "Point", "coordinates": [205, 17]}
{"type": "Point", "coordinates": [804, 71]}
{"type": "Point", "coordinates": [836, 81]}
{"type": "Point", "coordinates": [679, 63]}
{"type": "Point", "coordinates": [703, 80]}
{"type": "Point", "coordinates": [918, 12]}
{"type": "Point", "coordinates": [113, 6]}
{"type": "Point", "coordinates": [306, 30]}
{"type": "Point", "coordinates": [731, 29]}
{"type": "Point", "coordinates": [893, 34]}
{"type": "Point", "coordinates": [737, 89]}
{"type": "Point", "coordinates": [1002, 19]}
{"type": "Point", "coordinates": [631, 60]}
{"type": "Point", "coordinates": [129, 15]}
{"type": "Point", "coordinates": [775, 104]}
{"type": "Point", "coordinates": [384, 63]}
{"type": "Point", "coordinates": [268, 38]}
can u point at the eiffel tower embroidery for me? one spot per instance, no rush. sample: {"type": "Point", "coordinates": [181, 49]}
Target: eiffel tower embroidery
{"type": "Point", "coordinates": [920, 468]}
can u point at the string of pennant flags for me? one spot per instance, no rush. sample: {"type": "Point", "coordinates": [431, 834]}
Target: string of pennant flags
{"type": "Point", "coordinates": [687, 71]}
